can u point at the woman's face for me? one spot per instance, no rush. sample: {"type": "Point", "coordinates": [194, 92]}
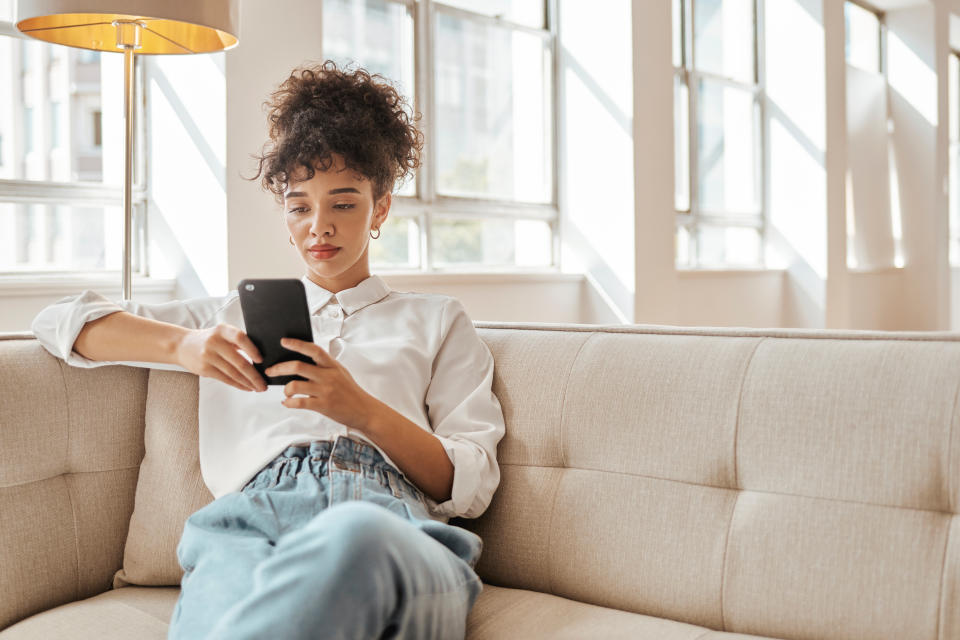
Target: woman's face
{"type": "Point", "coordinates": [334, 207]}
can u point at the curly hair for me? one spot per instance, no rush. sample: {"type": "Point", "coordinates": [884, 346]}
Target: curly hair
{"type": "Point", "coordinates": [323, 110]}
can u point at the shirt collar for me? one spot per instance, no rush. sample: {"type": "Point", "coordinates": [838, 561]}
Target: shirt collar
{"type": "Point", "coordinates": [370, 290]}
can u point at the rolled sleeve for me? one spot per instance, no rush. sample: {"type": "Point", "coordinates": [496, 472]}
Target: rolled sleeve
{"type": "Point", "coordinates": [57, 326]}
{"type": "Point", "coordinates": [466, 415]}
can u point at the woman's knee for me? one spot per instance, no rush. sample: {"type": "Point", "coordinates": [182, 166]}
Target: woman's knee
{"type": "Point", "coordinates": [359, 531]}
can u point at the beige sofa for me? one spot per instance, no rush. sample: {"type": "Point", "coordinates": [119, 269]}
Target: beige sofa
{"type": "Point", "coordinates": [657, 483]}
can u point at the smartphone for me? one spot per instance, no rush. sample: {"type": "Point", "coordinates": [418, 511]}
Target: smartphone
{"type": "Point", "coordinates": [275, 308]}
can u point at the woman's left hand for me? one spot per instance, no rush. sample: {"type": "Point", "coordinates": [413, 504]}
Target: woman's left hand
{"type": "Point", "coordinates": [329, 388]}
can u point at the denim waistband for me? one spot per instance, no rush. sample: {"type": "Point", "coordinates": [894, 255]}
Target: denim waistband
{"type": "Point", "coordinates": [342, 449]}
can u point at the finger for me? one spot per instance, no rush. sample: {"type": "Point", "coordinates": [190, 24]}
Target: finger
{"type": "Point", "coordinates": [216, 374]}
{"type": "Point", "coordinates": [312, 349]}
{"type": "Point", "coordinates": [302, 387]}
{"type": "Point", "coordinates": [244, 342]}
{"type": "Point", "coordinates": [297, 403]}
{"type": "Point", "coordinates": [231, 371]}
{"type": "Point", "coordinates": [231, 355]}
{"type": "Point", "coordinates": [294, 367]}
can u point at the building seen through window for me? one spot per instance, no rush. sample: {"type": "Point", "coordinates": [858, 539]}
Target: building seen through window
{"type": "Point", "coordinates": [51, 133]}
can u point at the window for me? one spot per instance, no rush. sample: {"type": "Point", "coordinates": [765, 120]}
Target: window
{"type": "Point", "coordinates": [862, 38]}
{"type": "Point", "coordinates": [60, 190]}
{"type": "Point", "coordinates": [481, 73]}
{"type": "Point", "coordinates": [719, 177]}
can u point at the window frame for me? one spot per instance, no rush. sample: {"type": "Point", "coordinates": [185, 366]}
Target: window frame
{"type": "Point", "coordinates": [427, 204]}
{"type": "Point", "coordinates": [689, 76]}
{"type": "Point", "coordinates": [88, 194]}
{"type": "Point", "coordinates": [953, 166]}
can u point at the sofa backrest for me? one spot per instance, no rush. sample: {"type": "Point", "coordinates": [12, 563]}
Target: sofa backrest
{"type": "Point", "coordinates": [787, 484]}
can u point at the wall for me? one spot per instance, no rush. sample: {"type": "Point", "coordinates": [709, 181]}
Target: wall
{"type": "Point", "coordinates": [597, 147]}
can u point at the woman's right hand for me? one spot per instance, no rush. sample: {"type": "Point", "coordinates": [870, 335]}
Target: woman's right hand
{"type": "Point", "coordinates": [215, 353]}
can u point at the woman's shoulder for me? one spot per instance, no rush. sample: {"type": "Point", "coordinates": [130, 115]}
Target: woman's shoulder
{"type": "Point", "coordinates": [422, 298]}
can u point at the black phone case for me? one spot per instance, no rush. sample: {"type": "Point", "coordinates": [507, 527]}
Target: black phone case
{"type": "Point", "coordinates": [275, 308]}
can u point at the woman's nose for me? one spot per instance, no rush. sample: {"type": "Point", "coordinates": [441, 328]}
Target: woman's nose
{"type": "Point", "coordinates": [320, 224]}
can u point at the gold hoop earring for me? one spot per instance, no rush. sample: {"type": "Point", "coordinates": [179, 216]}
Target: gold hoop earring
{"type": "Point", "coordinates": [375, 236]}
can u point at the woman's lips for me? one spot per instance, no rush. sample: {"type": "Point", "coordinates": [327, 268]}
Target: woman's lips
{"type": "Point", "coordinates": [323, 255]}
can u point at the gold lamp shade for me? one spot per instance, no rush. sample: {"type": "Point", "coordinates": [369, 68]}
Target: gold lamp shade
{"type": "Point", "coordinates": [167, 27]}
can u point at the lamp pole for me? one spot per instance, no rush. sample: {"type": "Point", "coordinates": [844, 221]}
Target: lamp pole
{"type": "Point", "coordinates": [128, 39]}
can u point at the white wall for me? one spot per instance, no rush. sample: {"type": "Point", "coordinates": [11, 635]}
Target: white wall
{"type": "Point", "coordinates": [187, 134]}
{"type": "Point", "coordinates": [596, 147]}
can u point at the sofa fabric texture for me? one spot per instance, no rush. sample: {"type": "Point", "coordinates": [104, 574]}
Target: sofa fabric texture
{"type": "Point", "coordinates": [657, 482]}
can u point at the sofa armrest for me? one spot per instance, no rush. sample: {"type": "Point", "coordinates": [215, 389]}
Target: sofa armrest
{"type": "Point", "coordinates": [71, 442]}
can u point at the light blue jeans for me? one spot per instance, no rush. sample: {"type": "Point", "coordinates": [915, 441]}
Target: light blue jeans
{"type": "Point", "coordinates": [326, 541]}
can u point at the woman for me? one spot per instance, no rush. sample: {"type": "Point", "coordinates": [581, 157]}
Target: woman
{"type": "Point", "coordinates": [332, 495]}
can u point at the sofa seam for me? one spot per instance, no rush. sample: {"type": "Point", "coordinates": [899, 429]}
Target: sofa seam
{"type": "Point", "coordinates": [712, 486]}
{"type": "Point", "coordinates": [563, 462]}
{"type": "Point", "coordinates": [73, 508]}
{"type": "Point", "coordinates": [76, 533]}
{"type": "Point", "coordinates": [65, 473]}
{"type": "Point", "coordinates": [943, 574]}
{"type": "Point", "coordinates": [139, 610]}
{"type": "Point", "coordinates": [951, 491]}
{"type": "Point", "coordinates": [951, 507]}
{"type": "Point", "coordinates": [563, 396]}
{"type": "Point", "coordinates": [736, 480]}
{"type": "Point", "coordinates": [736, 424]}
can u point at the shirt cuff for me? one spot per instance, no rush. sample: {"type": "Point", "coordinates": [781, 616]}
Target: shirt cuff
{"type": "Point", "coordinates": [468, 474]}
{"type": "Point", "coordinates": [57, 326]}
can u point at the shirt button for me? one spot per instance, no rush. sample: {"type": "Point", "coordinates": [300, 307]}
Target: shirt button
{"type": "Point", "coordinates": [335, 313]}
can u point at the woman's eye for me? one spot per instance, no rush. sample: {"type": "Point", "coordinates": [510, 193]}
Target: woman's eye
{"type": "Point", "coordinates": [298, 210]}
{"type": "Point", "coordinates": [343, 206]}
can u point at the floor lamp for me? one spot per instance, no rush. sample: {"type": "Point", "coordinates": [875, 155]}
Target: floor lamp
{"type": "Point", "coordinates": [132, 26]}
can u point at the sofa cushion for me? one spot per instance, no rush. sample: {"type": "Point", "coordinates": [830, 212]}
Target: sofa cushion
{"type": "Point", "coordinates": [170, 486]}
{"type": "Point", "coordinates": [144, 613]}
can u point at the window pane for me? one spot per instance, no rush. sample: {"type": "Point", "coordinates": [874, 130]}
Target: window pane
{"type": "Point", "coordinates": [398, 244]}
{"type": "Point", "coordinates": [50, 101]}
{"type": "Point", "coordinates": [681, 144]}
{"type": "Point", "coordinates": [718, 246]}
{"type": "Point", "coordinates": [491, 242]}
{"type": "Point", "coordinates": [378, 36]}
{"type": "Point", "coordinates": [683, 241]}
{"type": "Point", "coordinates": [41, 237]}
{"type": "Point", "coordinates": [954, 203]}
{"type": "Point", "coordinates": [493, 104]}
{"type": "Point", "coordinates": [527, 12]}
{"type": "Point", "coordinates": [726, 149]}
{"type": "Point", "coordinates": [953, 85]}
{"type": "Point", "coordinates": [723, 38]}
{"type": "Point", "coordinates": [862, 41]}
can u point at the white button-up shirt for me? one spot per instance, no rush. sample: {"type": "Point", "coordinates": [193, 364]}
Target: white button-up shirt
{"type": "Point", "coordinates": [419, 353]}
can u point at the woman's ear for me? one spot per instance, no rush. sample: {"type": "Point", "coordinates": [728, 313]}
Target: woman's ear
{"type": "Point", "coordinates": [382, 208]}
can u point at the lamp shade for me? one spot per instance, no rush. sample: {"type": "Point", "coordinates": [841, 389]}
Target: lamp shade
{"type": "Point", "coordinates": [169, 26]}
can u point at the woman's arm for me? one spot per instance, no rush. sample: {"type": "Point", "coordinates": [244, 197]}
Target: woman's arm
{"type": "Point", "coordinates": [209, 352]}
{"type": "Point", "coordinates": [419, 455]}
{"type": "Point", "coordinates": [89, 330]}
{"type": "Point", "coordinates": [125, 336]}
